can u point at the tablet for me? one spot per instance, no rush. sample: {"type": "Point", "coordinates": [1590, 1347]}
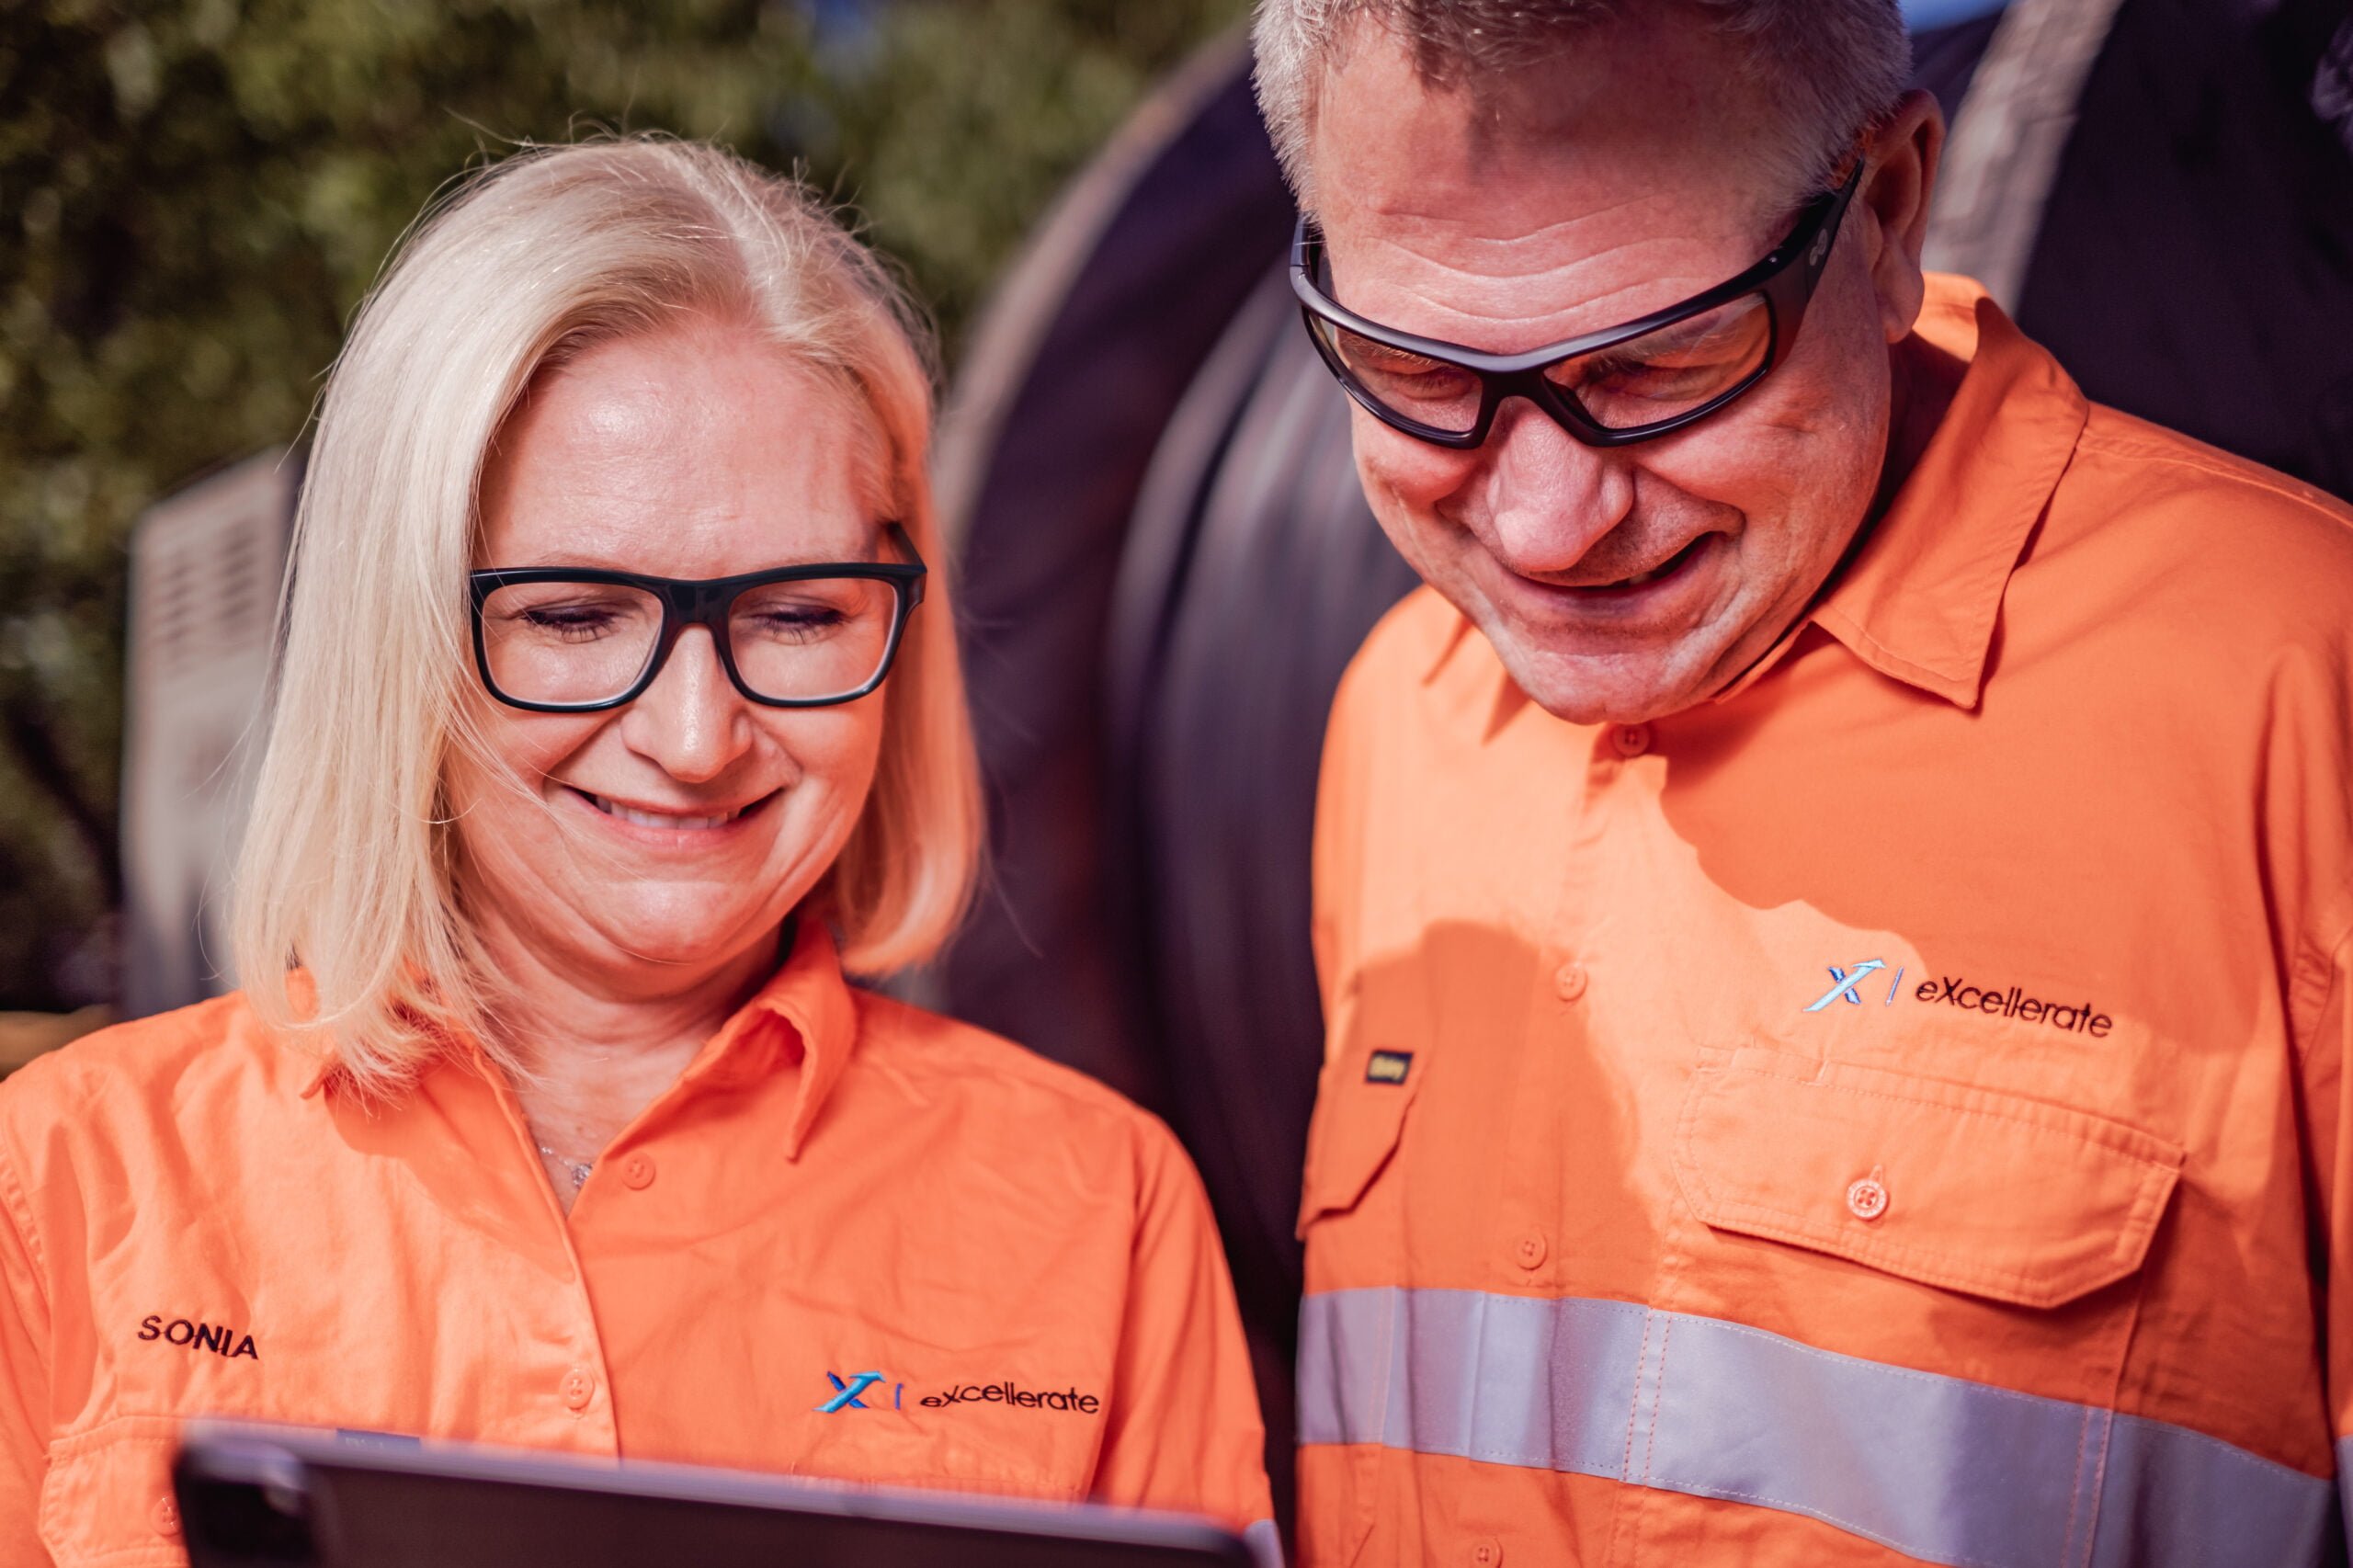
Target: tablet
{"type": "Point", "coordinates": [279, 1497]}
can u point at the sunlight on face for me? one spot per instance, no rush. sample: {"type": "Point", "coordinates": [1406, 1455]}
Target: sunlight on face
{"type": "Point", "coordinates": [653, 844]}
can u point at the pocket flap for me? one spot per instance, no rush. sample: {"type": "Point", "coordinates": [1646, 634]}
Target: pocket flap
{"type": "Point", "coordinates": [1960, 1187]}
{"type": "Point", "coordinates": [1360, 1115]}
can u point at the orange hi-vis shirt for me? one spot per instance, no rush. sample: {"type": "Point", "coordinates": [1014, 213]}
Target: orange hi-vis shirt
{"type": "Point", "coordinates": [1010, 1272]}
{"type": "Point", "coordinates": [1893, 1113]}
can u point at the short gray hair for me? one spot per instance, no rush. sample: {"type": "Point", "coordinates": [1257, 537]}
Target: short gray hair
{"type": "Point", "coordinates": [1832, 66]}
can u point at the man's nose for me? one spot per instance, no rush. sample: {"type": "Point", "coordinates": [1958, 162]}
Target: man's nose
{"type": "Point", "coordinates": [1550, 496]}
{"type": "Point", "coordinates": [691, 721]}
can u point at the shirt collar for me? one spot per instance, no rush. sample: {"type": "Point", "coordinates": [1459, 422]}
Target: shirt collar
{"type": "Point", "coordinates": [1919, 599]}
{"type": "Point", "coordinates": [806, 1009]}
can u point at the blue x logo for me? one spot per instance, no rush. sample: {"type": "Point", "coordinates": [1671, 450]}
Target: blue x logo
{"type": "Point", "coordinates": [845, 1394]}
{"type": "Point", "coordinates": [1848, 979]}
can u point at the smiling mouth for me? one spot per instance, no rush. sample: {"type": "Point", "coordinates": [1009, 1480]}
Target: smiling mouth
{"type": "Point", "coordinates": [675, 822]}
{"type": "Point", "coordinates": [1666, 568]}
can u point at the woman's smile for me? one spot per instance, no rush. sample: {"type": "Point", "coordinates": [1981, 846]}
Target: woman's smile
{"type": "Point", "coordinates": [704, 820]}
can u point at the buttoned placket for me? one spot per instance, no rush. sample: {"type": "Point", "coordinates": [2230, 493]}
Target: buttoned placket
{"type": "Point", "coordinates": [1524, 1246]}
{"type": "Point", "coordinates": [1621, 798]}
{"type": "Point", "coordinates": [579, 1381]}
{"type": "Point", "coordinates": [627, 1173]}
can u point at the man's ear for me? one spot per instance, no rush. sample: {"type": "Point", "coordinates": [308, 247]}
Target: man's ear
{"type": "Point", "coordinates": [1903, 153]}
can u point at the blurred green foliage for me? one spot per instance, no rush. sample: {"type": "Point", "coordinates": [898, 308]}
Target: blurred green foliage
{"type": "Point", "coordinates": [194, 196]}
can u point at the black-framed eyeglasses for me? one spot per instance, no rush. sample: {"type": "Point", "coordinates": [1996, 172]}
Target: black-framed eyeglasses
{"type": "Point", "coordinates": [1621, 384]}
{"type": "Point", "coordinates": [574, 640]}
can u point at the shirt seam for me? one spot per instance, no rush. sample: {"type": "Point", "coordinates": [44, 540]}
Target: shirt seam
{"type": "Point", "coordinates": [2303, 1022]}
{"type": "Point", "coordinates": [2254, 479]}
{"type": "Point", "coordinates": [923, 1065]}
{"type": "Point", "coordinates": [18, 1209]}
{"type": "Point", "coordinates": [2091, 1138]}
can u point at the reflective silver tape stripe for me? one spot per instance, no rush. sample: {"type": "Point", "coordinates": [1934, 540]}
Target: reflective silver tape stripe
{"type": "Point", "coordinates": [1940, 1469]}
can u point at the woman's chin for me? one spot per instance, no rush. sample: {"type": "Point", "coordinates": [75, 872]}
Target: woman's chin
{"type": "Point", "coordinates": [679, 944]}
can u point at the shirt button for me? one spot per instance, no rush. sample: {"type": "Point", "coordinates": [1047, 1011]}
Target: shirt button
{"type": "Point", "coordinates": [164, 1516]}
{"type": "Point", "coordinates": [578, 1387]}
{"type": "Point", "coordinates": [1867, 1198]}
{"type": "Point", "coordinates": [1569, 980]}
{"type": "Point", "coordinates": [637, 1172]}
{"type": "Point", "coordinates": [1486, 1554]}
{"type": "Point", "coordinates": [1530, 1251]}
{"type": "Point", "coordinates": [1630, 740]}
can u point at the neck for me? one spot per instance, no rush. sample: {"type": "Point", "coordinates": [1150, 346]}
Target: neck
{"type": "Point", "coordinates": [597, 1047]}
{"type": "Point", "coordinates": [1923, 380]}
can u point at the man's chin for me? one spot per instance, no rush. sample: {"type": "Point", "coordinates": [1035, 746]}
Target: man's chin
{"type": "Point", "coordinates": [1582, 687]}
{"type": "Point", "coordinates": [1589, 665]}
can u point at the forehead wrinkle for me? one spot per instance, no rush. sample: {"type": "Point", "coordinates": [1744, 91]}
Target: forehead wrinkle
{"type": "Point", "coordinates": [1567, 267]}
{"type": "Point", "coordinates": [1737, 226]}
{"type": "Point", "coordinates": [1410, 214]}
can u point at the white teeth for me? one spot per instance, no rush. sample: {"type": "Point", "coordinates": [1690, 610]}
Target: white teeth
{"type": "Point", "coordinates": [656, 819]}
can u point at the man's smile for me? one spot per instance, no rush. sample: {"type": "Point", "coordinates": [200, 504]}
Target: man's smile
{"type": "Point", "coordinates": [1665, 569]}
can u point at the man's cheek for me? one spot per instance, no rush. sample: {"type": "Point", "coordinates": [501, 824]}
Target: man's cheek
{"type": "Point", "coordinates": [1420, 476]}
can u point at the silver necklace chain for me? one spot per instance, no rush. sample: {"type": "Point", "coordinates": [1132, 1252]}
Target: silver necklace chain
{"type": "Point", "coordinates": [579, 1168]}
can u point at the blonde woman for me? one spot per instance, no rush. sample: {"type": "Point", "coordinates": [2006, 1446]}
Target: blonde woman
{"type": "Point", "coordinates": [619, 717]}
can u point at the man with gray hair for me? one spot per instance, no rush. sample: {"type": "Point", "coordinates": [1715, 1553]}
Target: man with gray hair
{"type": "Point", "coordinates": [1835, 904]}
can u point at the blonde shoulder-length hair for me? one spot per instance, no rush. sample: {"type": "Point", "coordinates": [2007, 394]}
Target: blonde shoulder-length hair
{"type": "Point", "coordinates": [348, 869]}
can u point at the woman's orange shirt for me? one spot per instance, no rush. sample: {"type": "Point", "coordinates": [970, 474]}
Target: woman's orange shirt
{"type": "Point", "coordinates": [1012, 1271]}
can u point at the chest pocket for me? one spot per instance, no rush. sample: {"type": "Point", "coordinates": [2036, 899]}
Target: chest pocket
{"type": "Point", "coordinates": [1971, 1190]}
{"type": "Point", "coordinates": [1360, 1106]}
{"type": "Point", "coordinates": [106, 1501]}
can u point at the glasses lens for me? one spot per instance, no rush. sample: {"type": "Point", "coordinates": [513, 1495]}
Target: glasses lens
{"type": "Point", "coordinates": [565, 642]}
{"type": "Point", "coordinates": [818, 637]}
{"type": "Point", "coordinates": [1661, 374]}
{"type": "Point", "coordinates": [1428, 391]}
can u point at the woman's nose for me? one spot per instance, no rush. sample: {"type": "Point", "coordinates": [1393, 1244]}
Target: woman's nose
{"type": "Point", "coordinates": [691, 721]}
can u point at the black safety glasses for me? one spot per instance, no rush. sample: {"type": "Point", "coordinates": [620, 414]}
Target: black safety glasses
{"type": "Point", "coordinates": [574, 640]}
{"type": "Point", "coordinates": [1610, 387]}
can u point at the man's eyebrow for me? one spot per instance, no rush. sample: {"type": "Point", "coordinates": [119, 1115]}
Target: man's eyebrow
{"type": "Point", "coordinates": [1376, 345]}
{"type": "Point", "coordinates": [1676, 334]}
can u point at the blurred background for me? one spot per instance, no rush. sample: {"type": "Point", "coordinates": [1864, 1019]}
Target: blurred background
{"type": "Point", "coordinates": [1144, 472]}
{"type": "Point", "coordinates": [194, 196]}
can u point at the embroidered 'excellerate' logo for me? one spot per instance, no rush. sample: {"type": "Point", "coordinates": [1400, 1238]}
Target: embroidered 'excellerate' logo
{"type": "Point", "coordinates": [1013, 1394]}
{"type": "Point", "coordinates": [1851, 983]}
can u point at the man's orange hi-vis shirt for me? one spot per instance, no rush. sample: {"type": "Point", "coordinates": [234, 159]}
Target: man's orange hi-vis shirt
{"type": "Point", "coordinates": [1894, 1113]}
{"type": "Point", "coordinates": [854, 1240]}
